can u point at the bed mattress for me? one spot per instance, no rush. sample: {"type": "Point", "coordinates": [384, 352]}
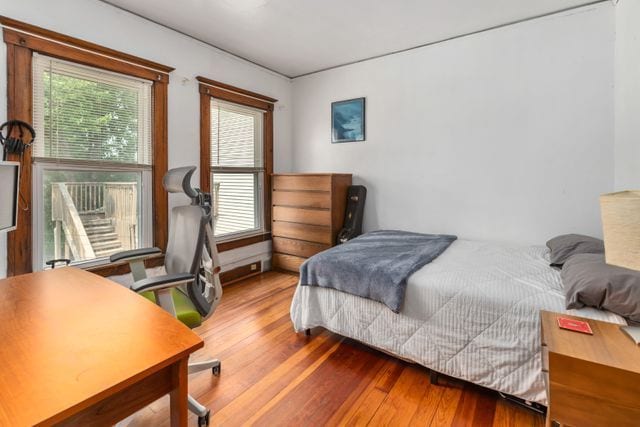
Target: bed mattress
{"type": "Point", "coordinates": [472, 313]}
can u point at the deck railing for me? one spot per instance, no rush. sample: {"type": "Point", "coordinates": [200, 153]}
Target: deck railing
{"type": "Point", "coordinates": [88, 197]}
{"type": "Point", "coordinates": [73, 201]}
{"type": "Point", "coordinates": [120, 204]}
{"type": "Point", "coordinates": [67, 220]}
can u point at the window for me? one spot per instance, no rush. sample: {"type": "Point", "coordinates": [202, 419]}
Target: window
{"type": "Point", "coordinates": [91, 162]}
{"type": "Point", "coordinates": [90, 184]}
{"type": "Point", "coordinates": [236, 150]}
{"type": "Point", "coordinates": [237, 169]}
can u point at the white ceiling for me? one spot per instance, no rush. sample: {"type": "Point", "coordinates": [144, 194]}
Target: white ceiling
{"type": "Point", "coordinates": [296, 37]}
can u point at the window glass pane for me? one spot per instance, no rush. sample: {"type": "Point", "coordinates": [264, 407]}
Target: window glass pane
{"type": "Point", "coordinates": [89, 215]}
{"type": "Point", "coordinates": [83, 113]}
{"type": "Point", "coordinates": [236, 135]}
{"type": "Point", "coordinates": [235, 202]}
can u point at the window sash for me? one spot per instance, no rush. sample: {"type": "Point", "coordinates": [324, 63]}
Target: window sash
{"type": "Point", "coordinates": [142, 133]}
{"type": "Point", "coordinates": [38, 202]}
{"type": "Point", "coordinates": [42, 162]}
{"type": "Point", "coordinates": [238, 162]}
{"type": "Point", "coordinates": [240, 157]}
{"type": "Point", "coordinates": [258, 201]}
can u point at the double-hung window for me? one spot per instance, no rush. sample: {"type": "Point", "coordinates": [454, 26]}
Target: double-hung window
{"type": "Point", "coordinates": [236, 158]}
{"type": "Point", "coordinates": [237, 169]}
{"type": "Point", "coordinates": [92, 162]}
{"type": "Point", "coordinates": [90, 184]}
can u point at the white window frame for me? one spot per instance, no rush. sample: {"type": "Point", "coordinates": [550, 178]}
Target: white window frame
{"type": "Point", "coordinates": [144, 119]}
{"type": "Point", "coordinates": [257, 171]}
{"type": "Point", "coordinates": [42, 164]}
{"type": "Point", "coordinates": [38, 216]}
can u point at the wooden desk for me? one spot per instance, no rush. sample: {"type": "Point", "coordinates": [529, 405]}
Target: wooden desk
{"type": "Point", "coordinates": [592, 380]}
{"type": "Point", "coordinates": [76, 348]}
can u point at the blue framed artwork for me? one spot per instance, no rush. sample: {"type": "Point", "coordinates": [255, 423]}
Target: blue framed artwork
{"type": "Point", "coordinates": [347, 120]}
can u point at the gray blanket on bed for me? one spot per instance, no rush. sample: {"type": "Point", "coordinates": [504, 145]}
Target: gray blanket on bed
{"type": "Point", "coordinates": [375, 265]}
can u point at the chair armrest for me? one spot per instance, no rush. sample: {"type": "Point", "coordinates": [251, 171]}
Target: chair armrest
{"type": "Point", "coordinates": [134, 254]}
{"type": "Point", "coordinates": [162, 282]}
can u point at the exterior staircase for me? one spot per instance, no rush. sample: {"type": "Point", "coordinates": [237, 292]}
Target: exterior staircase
{"type": "Point", "coordinates": [93, 219]}
{"type": "Point", "coordinates": [102, 235]}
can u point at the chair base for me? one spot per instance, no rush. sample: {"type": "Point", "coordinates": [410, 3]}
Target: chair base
{"type": "Point", "coordinates": [194, 406]}
{"type": "Point", "coordinates": [213, 364]}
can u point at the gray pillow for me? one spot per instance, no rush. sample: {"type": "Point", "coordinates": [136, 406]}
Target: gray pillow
{"type": "Point", "coordinates": [589, 281]}
{"type": "Point", "coordinates": [562, 247]}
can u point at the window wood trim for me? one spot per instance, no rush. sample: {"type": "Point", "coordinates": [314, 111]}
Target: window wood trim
{"type": "Point", "coordinates": [76, 50]}
{"type": "Point", "coordinates": [22, 41]}
{"type": "Point", "coordinates": [231, 90]}
{"type": "Point", "coordinates": [212, 89]}
{"type": "Point", "coordinates": [242, 242]}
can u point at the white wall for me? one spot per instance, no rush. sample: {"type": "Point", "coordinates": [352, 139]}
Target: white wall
{"type": "Point", "coordinates": [628, 95]}
{"type": "Point", "coordinates": [504, 135]}
{"type": "Point", "coordinates": [100, 23]}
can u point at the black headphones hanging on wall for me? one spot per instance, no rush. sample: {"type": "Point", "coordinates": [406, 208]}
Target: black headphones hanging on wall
{"type": "Point", "coordinates": [13, 144]}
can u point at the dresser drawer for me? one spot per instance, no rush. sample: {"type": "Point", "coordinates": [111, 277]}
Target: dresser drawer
{"type": "Point", "coordinates": [287, 262]}
{"type": "Point", "coordinates": [302, 216]}
{"type": "Point", "coordinates": [310, 233]}
{"type": "Point", "coordinates": [297, 247]}
{"type": "Point", "coordinates": [302, 182]}
{"type": "Point", "coordinates": [303, 199]}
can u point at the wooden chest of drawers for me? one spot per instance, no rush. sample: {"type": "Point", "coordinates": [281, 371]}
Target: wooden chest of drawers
{"type": "Point", "coordinates": [591, 380]}
{"type": "Point", "coordinates": [307, 213]}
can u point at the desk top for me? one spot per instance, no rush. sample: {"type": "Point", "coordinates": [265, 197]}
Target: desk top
{"type": "Point", "coordinates": [69, 338]}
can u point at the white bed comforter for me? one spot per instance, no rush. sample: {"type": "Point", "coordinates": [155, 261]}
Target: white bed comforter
{"type": "Point", "coordinates": [473, 314]}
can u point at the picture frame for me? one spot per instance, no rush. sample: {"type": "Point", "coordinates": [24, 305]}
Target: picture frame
{"type": "Point", "coordinates": [348, 120]}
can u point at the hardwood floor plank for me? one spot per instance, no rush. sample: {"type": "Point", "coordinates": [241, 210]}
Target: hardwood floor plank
{"type": "Point", "coordinates": [360, 411]}
{"type": "Point", "coordinates": [508, 414]}
{"type": "Point", "coordinates": [485, 408]}
{"type": "Point", "coordinates": [260, 397]}
{"type": "Point", "coordinates": [428, 406]}
{"type": "Point", "coordinates": [272, 376]}
{"type": "Point", "coordinates": [250, 366]}
{"type": "Point", "coordinates": [403, 399]}
{"type": "Point", "coordinates": [315, 397]}
{"type": "Point", "coordinates": [391, 375]}
{"type": "Point", "coordinates": [447, 406]}
{"type": "Point", "coordinates": [475, 408]}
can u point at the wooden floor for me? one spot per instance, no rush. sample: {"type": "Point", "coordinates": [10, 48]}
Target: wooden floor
{"type": "Point", "coordinates": [272, 376]}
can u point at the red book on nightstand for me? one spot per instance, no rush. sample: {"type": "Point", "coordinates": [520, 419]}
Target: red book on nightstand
{"type": "Point", "coordinates": [574, 325]}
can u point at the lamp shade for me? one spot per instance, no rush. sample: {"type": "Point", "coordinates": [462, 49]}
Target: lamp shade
{"type": "Point", "coordinates": [621, 228]}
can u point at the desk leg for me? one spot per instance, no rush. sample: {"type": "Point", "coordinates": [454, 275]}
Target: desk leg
{"type": "Point", "coordinates": [179, 409]}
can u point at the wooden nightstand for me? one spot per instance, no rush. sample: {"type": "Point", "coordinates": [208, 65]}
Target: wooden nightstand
{"type": "Point", "coordinates": [592, 380]}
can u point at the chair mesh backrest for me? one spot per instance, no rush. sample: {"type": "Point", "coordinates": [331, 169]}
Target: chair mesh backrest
{"type": "Point", "coordinates": [186, 239]}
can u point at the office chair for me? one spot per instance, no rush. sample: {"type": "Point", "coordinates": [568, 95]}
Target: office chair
{"type": "Point", "coordinates": [191, 289]}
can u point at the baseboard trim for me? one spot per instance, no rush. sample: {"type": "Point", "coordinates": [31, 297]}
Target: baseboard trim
{"type": "Point", "coordinates": [241, 273]}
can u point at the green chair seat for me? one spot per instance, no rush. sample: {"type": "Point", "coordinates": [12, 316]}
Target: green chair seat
{"type": "Point", "coordinates": [185, 310]}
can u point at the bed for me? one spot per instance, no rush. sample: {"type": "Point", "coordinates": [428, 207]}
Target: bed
{"type": "Point", "coordinates": [472, 314]}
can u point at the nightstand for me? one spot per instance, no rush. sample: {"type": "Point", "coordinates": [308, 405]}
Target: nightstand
{"type": "Point", "coordinates": [592, 380]}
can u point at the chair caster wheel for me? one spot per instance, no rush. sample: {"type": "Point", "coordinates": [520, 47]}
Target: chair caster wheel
{"type": "Point", "coordinates": [204, 420]}
{"type": "Point", "coordinates": [216, 370]}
